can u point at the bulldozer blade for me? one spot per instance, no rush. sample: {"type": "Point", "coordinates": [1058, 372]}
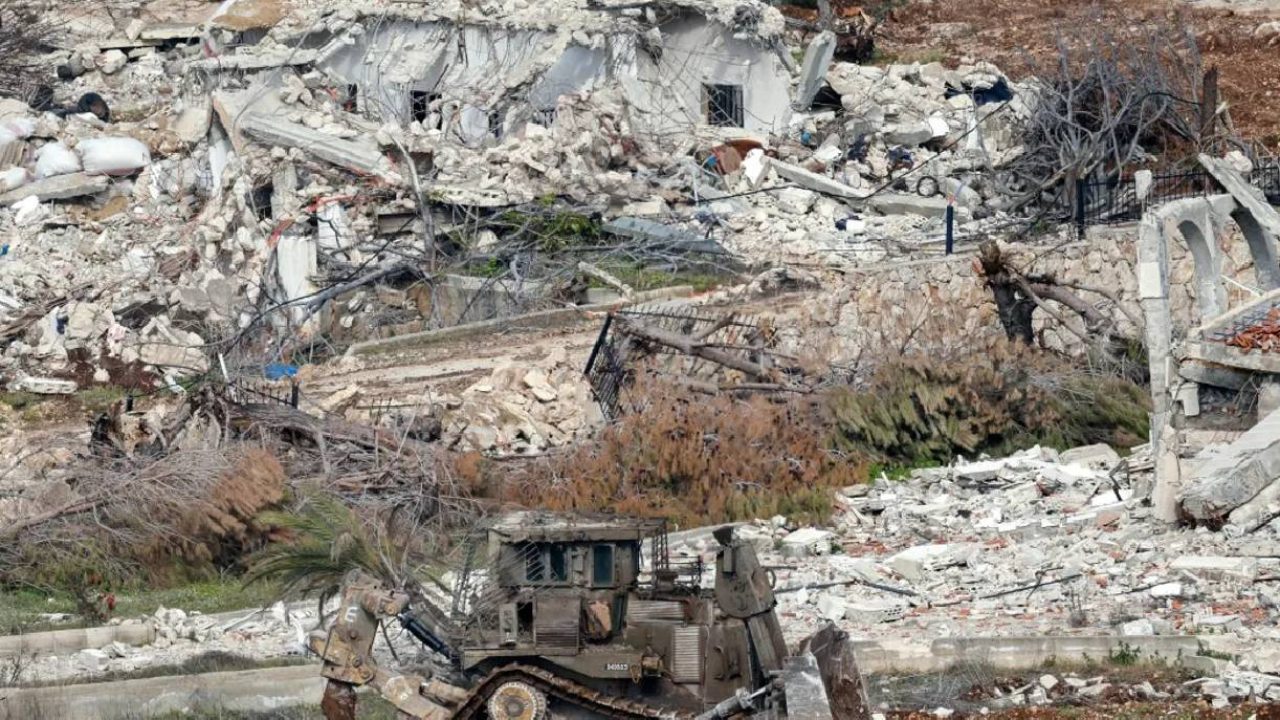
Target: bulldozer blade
{"type": "Point", "coordinates": [838, 668]}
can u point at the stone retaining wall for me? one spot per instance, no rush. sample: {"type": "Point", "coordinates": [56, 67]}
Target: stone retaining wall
{"type": "Point", "coordinates": [940, 304]}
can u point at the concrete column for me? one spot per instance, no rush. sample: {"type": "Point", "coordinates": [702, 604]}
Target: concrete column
{"type": "Point", "coordinates": [1153, 293]}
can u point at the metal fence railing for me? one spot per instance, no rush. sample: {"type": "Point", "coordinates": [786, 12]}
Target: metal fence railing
{"type": "Point", "coordinates": [266, 391]}
{"type": "Point", "coordinates": [1115, 200]}
{"type": "Point", "coordinates": [611, 365]}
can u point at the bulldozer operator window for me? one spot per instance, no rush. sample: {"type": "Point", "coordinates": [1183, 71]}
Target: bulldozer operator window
{"type": "Point", "coordinates": [558, 557]}
{"type": "Point", "coordinates": [602, 565]}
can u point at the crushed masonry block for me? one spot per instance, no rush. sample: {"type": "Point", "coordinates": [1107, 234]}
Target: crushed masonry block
{"type": "Point", "coordinates": [93, 659]}
{"type": "Point", "coordinates": [58, 187]}
{"type": "Point", "coordinates": [832, 607]}
{"type": "Point", "coordinates": [876, 611]}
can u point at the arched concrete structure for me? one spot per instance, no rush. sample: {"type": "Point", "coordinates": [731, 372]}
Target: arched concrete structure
{"type": "Point", "coordinates": [1262, 248]}
{"type": "Point", "coordinates": [1211, 293]}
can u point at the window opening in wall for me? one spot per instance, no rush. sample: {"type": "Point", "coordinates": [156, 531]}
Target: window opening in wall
{"type": "Point", "coordinates": [724, 105]}
{"type": "Point", "coordinates": [421, 101]}
{"type": "Point", "coordinates": [535, 570]}
{"type": "Point", "coordinates": [260, 200]}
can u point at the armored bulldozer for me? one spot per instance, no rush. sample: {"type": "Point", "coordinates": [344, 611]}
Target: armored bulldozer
{"type": "Point", "coordinates": [554, 615]}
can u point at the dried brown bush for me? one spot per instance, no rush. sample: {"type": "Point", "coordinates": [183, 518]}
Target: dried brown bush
{"type": "Point", "coordinates": [188, 513]}
{"type": "Point", "coordinates": [925, 409]}
{"type": "Point", "coordinates": [225, 524]}
{"type": "Point", "coordinates": [694, 459]}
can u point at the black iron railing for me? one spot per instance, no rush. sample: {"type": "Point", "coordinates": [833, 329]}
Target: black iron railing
{"type": "Point", "coordinates": [284, 393]}
{"type": "Point", "coordinates": [610, 368]}
{"type": "Point", "coordinates": [1113, 201]}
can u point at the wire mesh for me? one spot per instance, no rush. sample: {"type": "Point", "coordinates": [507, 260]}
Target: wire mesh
{"type": "Point", "coordinates": [610, 368]}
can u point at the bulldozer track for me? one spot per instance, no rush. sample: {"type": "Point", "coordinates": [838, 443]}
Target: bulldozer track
{"type": "Point", "coordinates": [558, 688]}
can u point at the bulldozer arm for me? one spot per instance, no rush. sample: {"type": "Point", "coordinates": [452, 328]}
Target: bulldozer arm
{"type": "Point", "coordinates": [347, 651]}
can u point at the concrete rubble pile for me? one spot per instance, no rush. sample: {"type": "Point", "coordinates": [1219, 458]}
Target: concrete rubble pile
{"type": "Point", "coordinates": [1037, 545]}
{"type": "Point", "coordinates": [190, 185]}
{"type": "Point", "coordinates": [903, 136]}
{"type": "Point", "coordinates": [181, 636]}
{"type": "Point", "coordinates": [1030, 551]}
{"type": "Point", "coordinates": [523, 407]}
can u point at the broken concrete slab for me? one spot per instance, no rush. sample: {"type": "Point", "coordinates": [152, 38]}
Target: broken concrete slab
{"type": "Point", "coordinates": [1215, 375]}
{"type": "Point", "coordinates": [45, 386]}
{"type": "Point", "coordinates": [900, 204]}
{"type": "Point", "coordinates": [642, 229]}
{"type": "Point", "coordinates": [1235, 475]}
{"type": "Point", "coordinates": [355, 156]}
{"type": "Point", "coordinates": [913, 563]}
{"type": "Point", "coordinates": [1097, 455]}
{"type": "Point", "coordinates": [807, 541]}
{"type": "Point", "coordinates": [813, 181]}
{"type": "Point", "coordinates": [58, 187]}
{"type": "Point", "coordinates": [817, 58]}
{"type": "Point", "coordinates": [1217, 567]}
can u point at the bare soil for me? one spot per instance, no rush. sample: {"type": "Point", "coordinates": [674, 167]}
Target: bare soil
{"type": "Point", "coordinates": [1017, 34]}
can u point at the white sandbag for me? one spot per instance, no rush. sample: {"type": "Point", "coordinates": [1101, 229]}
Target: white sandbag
{"type": "Point", "coordinates": [13, 178]}
{"type": "Point", "coordinates": [113, 155]}
{"type": "Point", "coordinates": [27, 210]}
{"type": "Point", "coordinates": [20, 127]}
{"type": "Point", "coordinates": [56, 159]}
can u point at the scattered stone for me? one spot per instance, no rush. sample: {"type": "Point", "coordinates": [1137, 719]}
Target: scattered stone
{"type": "Point", "coordinates": [1096, 456]}
{"type": "Point", "coordinates": [806, 542]}
{"type": "Point", "coordinates": [93, 660]}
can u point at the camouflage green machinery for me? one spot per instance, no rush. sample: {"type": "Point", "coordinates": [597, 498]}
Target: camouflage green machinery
{"type": "Point", "coordinates": [568, 616]}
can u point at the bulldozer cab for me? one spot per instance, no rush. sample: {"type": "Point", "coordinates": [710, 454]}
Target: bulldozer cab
{"type": "Point", "coordinates": [535, 551]}
{"type": "Point", "coordinates": [554, 585]}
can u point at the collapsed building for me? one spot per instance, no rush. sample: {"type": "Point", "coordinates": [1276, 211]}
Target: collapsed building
{"type": "Point", "coordinates": [282, 182]}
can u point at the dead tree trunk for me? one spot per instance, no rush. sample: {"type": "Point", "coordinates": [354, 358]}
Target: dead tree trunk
{"type": "Point", "coordinates": [1018, 296]}
{"type": "Point", "coordinates": [1012, 306]}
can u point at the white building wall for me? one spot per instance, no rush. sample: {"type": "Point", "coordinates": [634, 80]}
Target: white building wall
{"type": "Point", "coordinates": [480, 69]}
{"type": "Point", "coordinates": [668, 94]}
